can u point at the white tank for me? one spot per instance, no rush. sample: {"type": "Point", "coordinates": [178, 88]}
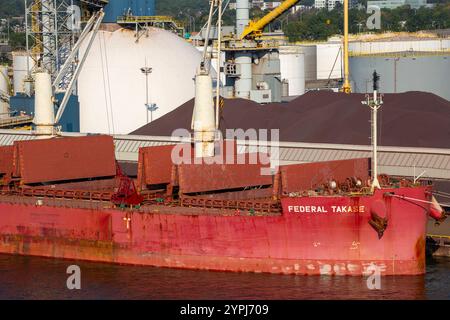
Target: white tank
{"type": "Point", "coordinates": [22, 62]}
{"type": "Point", "coordinates": [112, 88]}
{"type": "Point", "coordinates": [329, 60]}
{"type": "Point", "coordinates": [243, 84]}
{"type": "Point", "coordinates": [242, 15]}
{"type": "Point", "coordinates": [4, 92]}
{"type": "Point", "coordinates": [379, 46]}
{"type": "Point", "coordinates": [292, 65]}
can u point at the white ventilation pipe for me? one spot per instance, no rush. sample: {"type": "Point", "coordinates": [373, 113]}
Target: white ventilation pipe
{"type": "Point", "coordinates": [44, 112]}
{"type": "Point", "coordinates": [203, 118]}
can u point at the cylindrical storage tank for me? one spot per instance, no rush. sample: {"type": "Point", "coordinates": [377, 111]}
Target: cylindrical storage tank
{"type": "Point", "coordinates": [402, 72]}
{"type": "Point", "coordinates": [243, 84]}
{"type": "Point", "coordinates": [242, 15]}
{"type": "Point", "coordinates": [329, 59]}
{"type": "Point", "coordinates": [292, 66]}
{"type": "Point", "coordinates": [112, 89]}
{"type": "Point", "coordinates": [4, 92]}
{"type": "Point", "coordinates": [22, 63]}
{"type": "Point", "coordinates": [117, 8]}
{"type": "Point", "coordinates": [378, 46]}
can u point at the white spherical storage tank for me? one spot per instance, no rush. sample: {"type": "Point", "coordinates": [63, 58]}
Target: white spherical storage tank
{"type": "Point", "coordinates": [113, 86]}
{"type": "Point", "coordinates": [292, 65]}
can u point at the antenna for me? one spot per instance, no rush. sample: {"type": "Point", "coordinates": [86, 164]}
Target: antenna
{"type": "Point", "coordinates": [375, 79]}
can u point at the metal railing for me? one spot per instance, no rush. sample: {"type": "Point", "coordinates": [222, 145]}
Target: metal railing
{"type": "Point", "coordinates": [15, 121]}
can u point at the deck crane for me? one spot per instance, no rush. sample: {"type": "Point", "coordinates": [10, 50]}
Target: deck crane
{"type": "Point", "coordinates": [255, 28]}
{"type": "Point", "coordinates": [205, 115]}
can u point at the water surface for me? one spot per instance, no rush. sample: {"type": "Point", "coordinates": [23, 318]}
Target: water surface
{"type": "Point", "coordinates": [39, 278]}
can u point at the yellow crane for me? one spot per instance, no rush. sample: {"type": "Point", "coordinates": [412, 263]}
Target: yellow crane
{"type": "Point", "coordinates": [346, 87]}
{"type": "Point", "coordinates": [255, 28]}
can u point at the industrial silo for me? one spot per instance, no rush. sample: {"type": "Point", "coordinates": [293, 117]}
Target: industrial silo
{"type": "Point", "coordinates": [292, 65]}
{"type": "Point", "coordinates": [113, 88]}
{"type": "Point", "coordinates": [22, 63]}
{"type": "Point", "coordinates": [402, 71]}
{"type": "Point", "coordinates": [380, 45]}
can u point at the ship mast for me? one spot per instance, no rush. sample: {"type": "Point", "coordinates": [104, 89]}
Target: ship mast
{"type": "Point", "coordinates": [375, 102]}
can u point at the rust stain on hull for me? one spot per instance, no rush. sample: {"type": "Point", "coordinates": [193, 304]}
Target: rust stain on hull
{"type": "Point", "coordinates": [420, 253]}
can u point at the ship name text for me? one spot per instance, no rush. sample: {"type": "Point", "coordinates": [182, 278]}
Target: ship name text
{"type": "Point", "coordinates": [326, 209]}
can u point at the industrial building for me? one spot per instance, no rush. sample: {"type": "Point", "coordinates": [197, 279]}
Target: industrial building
{"type": "Point", "coordinates": [327, 4]}
{"type": "Point", "coordinates": [392, 4]}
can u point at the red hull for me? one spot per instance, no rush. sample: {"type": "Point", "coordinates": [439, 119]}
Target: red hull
{"type": "Point", "coordinates": [294, 242]}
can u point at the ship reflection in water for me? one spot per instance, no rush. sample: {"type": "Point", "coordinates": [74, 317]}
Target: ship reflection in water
{"type": "Point", "coordinates": [39, 278]}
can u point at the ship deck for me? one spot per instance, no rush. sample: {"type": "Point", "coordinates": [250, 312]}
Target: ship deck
{"type": "Point", "coordinates": [174, 208]}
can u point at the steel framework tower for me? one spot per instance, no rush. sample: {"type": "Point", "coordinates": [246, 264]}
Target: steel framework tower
{"type": "Point", "coordinates": [53, 28]}
{"type": "Point", "coordinates": [51, 32]}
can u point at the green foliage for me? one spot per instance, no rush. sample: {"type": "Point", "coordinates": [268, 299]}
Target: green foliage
{"type": "Point", "coordinates": [309, 3]}
{"type": "Point", "coordinates": [11, 8]}
{"type": "Point", "coordinates": [320, 24]}
{"type": "Point", "coordinates": [314, 25]}
{"type": "Point", "coordinates": [17, 40]}
{"type": "Point", "coordinates": [177, 8]}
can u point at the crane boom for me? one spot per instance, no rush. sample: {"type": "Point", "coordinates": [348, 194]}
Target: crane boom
{"type": "Point", "coordinates": [255, 28]}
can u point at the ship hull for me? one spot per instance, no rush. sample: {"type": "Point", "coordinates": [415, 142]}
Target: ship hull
{"type": "Point", "coordinates": [327, 241]}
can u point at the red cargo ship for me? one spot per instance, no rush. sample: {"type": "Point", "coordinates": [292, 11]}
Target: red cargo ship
{"type": "Point", "coordinates": [67, 198]}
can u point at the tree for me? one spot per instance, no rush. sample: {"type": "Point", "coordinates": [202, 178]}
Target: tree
{"type": "Point", "coordinates": [12, 8]}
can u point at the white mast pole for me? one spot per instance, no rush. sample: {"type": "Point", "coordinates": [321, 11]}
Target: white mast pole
{"type": "Point", "coordinates": [219, 53]}
{"type": "Point", "coordinates": [374, 104]}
